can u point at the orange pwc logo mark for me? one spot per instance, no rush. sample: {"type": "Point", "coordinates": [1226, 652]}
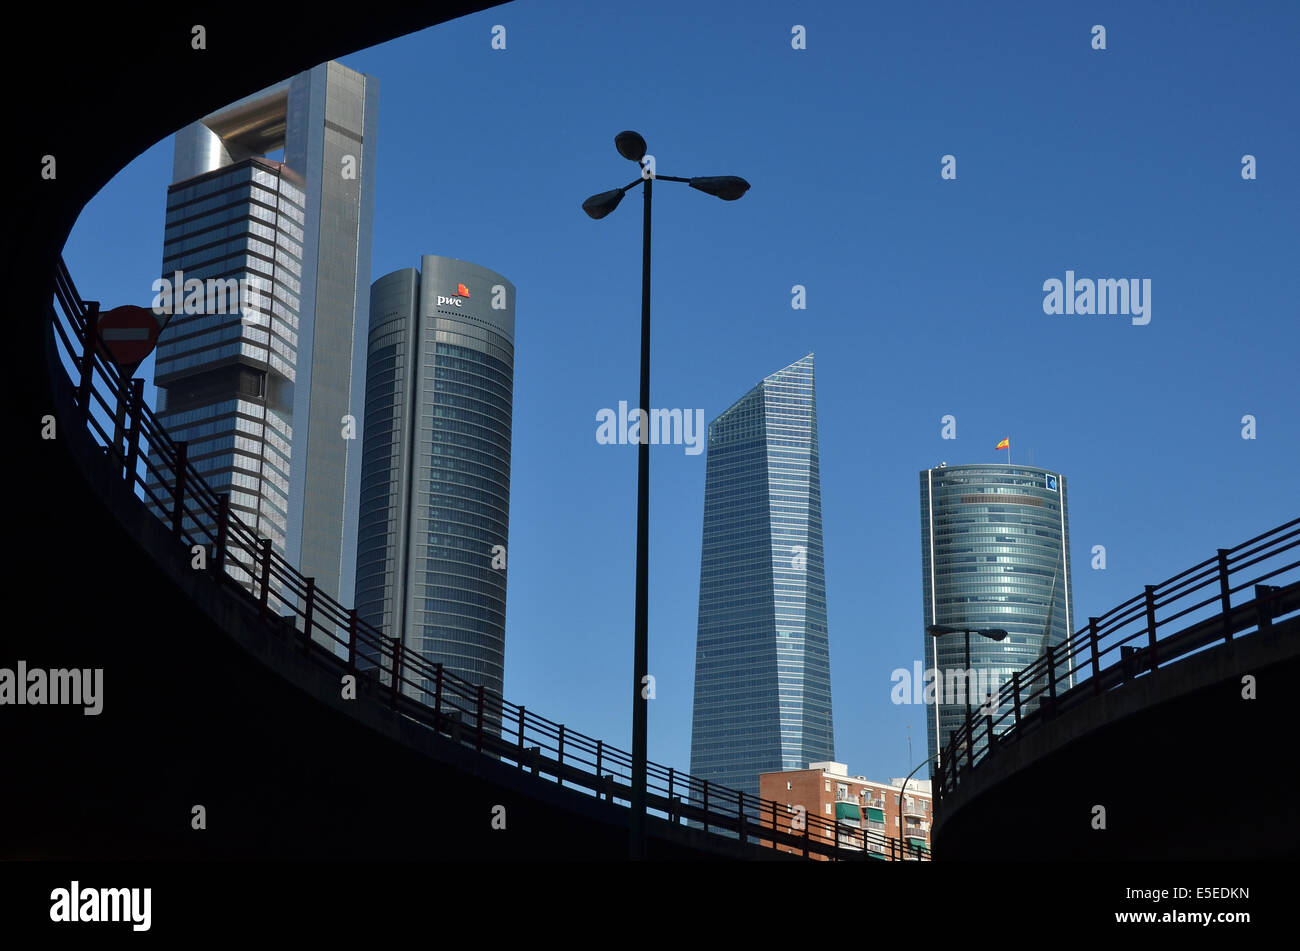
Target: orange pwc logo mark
{"type": "Point", "coordinates": [462, 290]}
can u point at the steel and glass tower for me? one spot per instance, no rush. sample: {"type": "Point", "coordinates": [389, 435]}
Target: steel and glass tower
{"type": "Point", "coordinates": [995, 553]}
{"type": "Point", "coordinates": [762, 658]}
{"type": "Point", "coordinates": [435, 475]}
{"type": "Point", "coordinates": [263, 395]}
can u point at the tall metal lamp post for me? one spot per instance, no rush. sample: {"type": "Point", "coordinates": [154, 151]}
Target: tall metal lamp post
{"type": "Point", "coordinates": [632, 147]}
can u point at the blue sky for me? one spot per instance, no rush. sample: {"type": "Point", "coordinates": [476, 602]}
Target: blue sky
{"type": "Point", "coordinates": [924, 296]}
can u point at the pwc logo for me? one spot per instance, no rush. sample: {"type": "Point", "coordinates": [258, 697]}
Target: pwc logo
{"type": "Point", "coordinates": [461, 293]}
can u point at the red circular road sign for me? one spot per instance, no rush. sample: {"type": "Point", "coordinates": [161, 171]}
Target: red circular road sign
{"type": "Point", "coordinates": [129, 333]}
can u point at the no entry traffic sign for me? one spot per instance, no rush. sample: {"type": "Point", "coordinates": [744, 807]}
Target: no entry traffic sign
{"type": "Point", "coordinates": [129, 334]}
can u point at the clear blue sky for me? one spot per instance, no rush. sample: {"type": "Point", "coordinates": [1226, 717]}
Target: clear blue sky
{"type": "Point", "coordinates": [924, 296]}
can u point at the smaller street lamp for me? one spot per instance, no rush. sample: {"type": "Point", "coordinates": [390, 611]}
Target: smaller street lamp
{"type": "Point", "coordinates": [992, 633]}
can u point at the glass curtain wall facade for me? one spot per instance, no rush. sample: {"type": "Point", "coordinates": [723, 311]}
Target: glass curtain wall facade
{"type": "Point", "coordinates": [263, 396]}
{"type": "Point", "coordinates": [435, 474]}
{"type": "Point", "coordinates": [762, 661]}
{"type": "Point", "coordinates": [224, 371]}
{"type": "Point", "coordinates": [995, 553]}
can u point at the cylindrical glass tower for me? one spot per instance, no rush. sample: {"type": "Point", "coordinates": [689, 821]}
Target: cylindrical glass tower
{"type": "Point", "coordinates": [435, 472]}
{"type": "Point", "coordinates": [995, 553]}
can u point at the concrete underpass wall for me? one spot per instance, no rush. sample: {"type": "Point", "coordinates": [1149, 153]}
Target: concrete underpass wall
{"type": "Point", "coordinates": [1146, 760]}
{"type": "Point", "coordinates": [205, 705]}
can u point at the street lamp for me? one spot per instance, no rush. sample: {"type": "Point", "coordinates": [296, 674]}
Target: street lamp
{"type": "Point", "coordinates": [938, 630]}
{"type": "Point", "coordinates": [632, 147]}
{"type": "Point", "coordinates": [902, 793]}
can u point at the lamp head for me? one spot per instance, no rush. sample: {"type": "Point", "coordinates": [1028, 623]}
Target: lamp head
{"type": "Point", "coordinates": [598, 206]}
{"type": "Point", "coordinates": [726, 187]}
{"type": "Point", "coordinates": [630, 145]}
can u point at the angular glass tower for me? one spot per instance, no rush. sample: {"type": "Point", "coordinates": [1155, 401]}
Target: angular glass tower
{"type": "Point", "coordinates": [435, 473]}
{"type": "Point", "coordinates": [261, 395]}
{"type": "Point", "coordinates": [762, 658]}
{"type": "Point", "coordinates": [995, 553]}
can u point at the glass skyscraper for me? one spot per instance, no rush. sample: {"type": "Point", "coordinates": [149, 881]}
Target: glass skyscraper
{"type": "Point", "coordinates": [995, 553]}
{"type": "Point", "coordinates": [263, 395]}
{"type": "Point", "coordinates": [762, 658]}
{"type": "Point", "coordinates": [435, 474]}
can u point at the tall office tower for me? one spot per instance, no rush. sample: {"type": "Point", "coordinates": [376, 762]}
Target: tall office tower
{"type": "Point", "coordinates": [762, 658]}
{"type": "Point", "coordinates": [435, 475]}
{"type": "Point", "coordinates": [261, 395]}
{"type": "Point", "coordinates": [995, 553]}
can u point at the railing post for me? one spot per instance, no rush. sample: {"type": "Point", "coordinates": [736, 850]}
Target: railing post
{"type": "Point", "coordinates": [559, 772]}
{"type": "Point", "coordinates": [437, 692]}
{"type": "Point", "coordinates": [123, 395]}
{"type": "Point", "coordinates": [479, 738]}
{"type": "Point", "coordinates": [178, 492]}
{"type": "Point", "coordinates": [671, 771]}
{"type": "Point", "coordinates": [523, 715]}
{"type": "Point", "coordinates": [1093, 642]}
{"type": "Point", "coordinates": [1264, 596]}
{"type": "Point", "coordinates": [1015, 688]}
{"type": "Point", "coordinates": [89, 334]}
{"type": "Point", "coordinates": [600, 749]}
{"type": "Point", "coordinates": [133, 431]}
{"type": "Point", "coordinates": [1051, 671]}
{"type": "Point", "coordinates": [706, 805]}
{"type": "Point", "coordinates": [264, 546]}
{"type": "Point", "coordinates": [352, 640]}
{"type": "Point", "coordinates": [223, 535]}
{"type": "Point", "coordinates": [1151, 623]}
{"type": "Point", "coordinates": [988, 726]}
{"type": "Point", "coordinates": [1225, 594]}
{"type": "Point", "coordinates": [774, 825]}
{"type": "Point", "coordinates": [397, 669]}
{"type": "Point", "coordinates": [308, 610]}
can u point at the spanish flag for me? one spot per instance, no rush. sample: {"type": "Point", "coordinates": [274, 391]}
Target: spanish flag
{"type": "Point", "coordinates": [1005, 444]}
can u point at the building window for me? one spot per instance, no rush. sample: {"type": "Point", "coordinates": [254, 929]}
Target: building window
{"type": "Point", "coordinates": [828, 785]}
{"type": "Point", "coordinates": [842, 791]}
{"type": "Point", "coordinates": [789, 785]}
{"type": "Point", "coordinates": [828, 808]}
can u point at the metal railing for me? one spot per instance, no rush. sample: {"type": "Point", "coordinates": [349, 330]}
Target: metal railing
{"type": "Point", "coordinates": [1187, 613]}
{"type": "Point", "coordinates": [387, 672]}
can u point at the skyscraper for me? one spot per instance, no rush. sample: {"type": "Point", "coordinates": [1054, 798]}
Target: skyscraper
{"type": "Point", "coordinates": [435, 476]}
{"type": "Point", "coordinates": [995, 553]}
{"type": "Point", "coordinates": [762, 658]}
{"type": "Point", "coordinates": [262, 396]}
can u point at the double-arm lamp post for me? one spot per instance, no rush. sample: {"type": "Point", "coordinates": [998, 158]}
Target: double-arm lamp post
{"type": "Point", "coordinates": [632, 147]}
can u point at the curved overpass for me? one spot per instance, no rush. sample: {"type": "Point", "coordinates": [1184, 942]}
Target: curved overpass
{"type": "Point", "coordinates": [1163, 730]}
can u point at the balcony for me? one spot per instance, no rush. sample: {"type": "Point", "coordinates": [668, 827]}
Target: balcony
{"type": "Point", "coordinates": [915, 809]}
